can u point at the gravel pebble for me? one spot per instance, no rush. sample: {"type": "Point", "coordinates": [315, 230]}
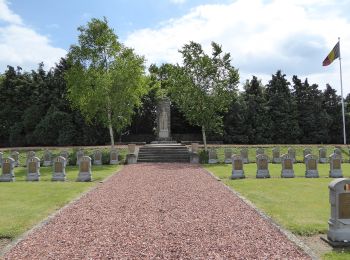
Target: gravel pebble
{"type": "Point", "coordinates": [158, 211]}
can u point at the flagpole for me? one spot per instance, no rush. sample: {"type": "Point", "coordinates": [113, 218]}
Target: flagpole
{"type": "Point", "coordinates": [341, 89]}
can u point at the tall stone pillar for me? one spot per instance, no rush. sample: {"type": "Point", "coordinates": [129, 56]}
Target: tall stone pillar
{"type": "Point", "coordinates": [163, 120]}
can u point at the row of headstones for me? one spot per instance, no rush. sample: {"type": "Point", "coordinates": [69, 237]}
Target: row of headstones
{"type": "Point", "coordinates": [276, 157]}
{"type": "Point", "coordinates": [47, 158]}
{"type": "Point", "coordinates": [33, 169]}
{"type": "Point", "coordinates": [287, 161]}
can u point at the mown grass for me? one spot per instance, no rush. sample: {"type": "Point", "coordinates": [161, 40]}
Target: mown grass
{"type": "Point", "coordinates": [23, 204]}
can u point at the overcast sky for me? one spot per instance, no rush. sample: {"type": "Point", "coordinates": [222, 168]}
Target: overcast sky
{"type": "Point", "coordinates": [261, 35]}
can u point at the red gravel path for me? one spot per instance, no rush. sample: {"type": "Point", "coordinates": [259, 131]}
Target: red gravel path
{"type": "Point", "coordinates": [158, 211]}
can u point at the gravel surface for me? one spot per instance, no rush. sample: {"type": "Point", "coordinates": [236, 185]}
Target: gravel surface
{"type": "Point", "coordinates": [158, 211]}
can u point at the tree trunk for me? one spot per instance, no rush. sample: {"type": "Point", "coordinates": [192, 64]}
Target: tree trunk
{"type": "Point", "coordinates": [110, 128]}
{"type": "Point", "coordinates": [204, 138]}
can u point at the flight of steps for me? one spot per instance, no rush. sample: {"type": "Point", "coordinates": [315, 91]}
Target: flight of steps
{"type": "Point", "coordinates": [163, 153]}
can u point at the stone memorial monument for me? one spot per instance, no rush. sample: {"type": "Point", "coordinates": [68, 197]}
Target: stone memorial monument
{"type": "Point", "coordinates": [262, 162]}
{"type": "Point", "coordinates": [59, 169]}
{"type": "Point", "coordinates": [33, 169]}
{"type": "Point", "coordinates": [322, 153]}
{"type": "Point", "coordinates": [47, 160]}
{"type": "Point", "coordinates": [163, 120]}
{"type": "Point", "coordinates": [306, 151]}
{"type": "Point", "coordinates": [338, 151]}
{"type": "Point", "coordinates": [292, 154]}
{"type": "Point", "coordinates": [131, 157]}
{"type": "Point", "coordinates": [7, 166]}
{"type": "Point", "coordinates": [339, 222]}
{"type": "Point", "coordinates": [213, 157]}
{"type": "Point", "coordinates": [228, 155]}
{"type": "Point", "coordinates": [335, 170]}
{"type": "Point", "coordinates": [287, 166]}
{"type": "Point", "coordinates": [97, 157]}
{"type": "Point", "coordinates": [80, 154]}
{"type": "Point", "coordinates": [85, 169]}
{"type": "Point", "coordinates": [30, 155]}
{"type": "Point", "coordinates": [15, 157]}
{"type": "Point", "coordinates": [113, 156]}
{"type": "Point", "coordinates": [276, 157]}
{"type": "Point", "coordinates": [311, 166]}
{"type": "Point", "coordinates": [237, 167]}
{"type": "Point", "coordinates": [244, 155]}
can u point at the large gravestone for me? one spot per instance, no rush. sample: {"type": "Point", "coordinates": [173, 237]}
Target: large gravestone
{"type": "Point", "coordinates": [244, 155]}
{"type": "Point", "coordinates": [163, 120]}
{"type": "Point", "coordinates": [15, 157]}
{"type": "Point", "coordinates": [339, 222]}
{"type": "Point", "coordinates": [311, 166]}
{"type": "Point", "coordinates": [85, 169]}
{"type": "Point", "coordinates": [228, 155]}
{"type": "Point", "coordinates": [59, 169]}
{"type": "Point", "coordinates": [7, 166]}
{"type": "Point", "coordinates": [30, 155]}
{"type": "Point", "coordinates": [194, 157]}
{"type": "Point", "coordinates": [276, 157]}
{"type": "Point", "coordinates": [287, 166]}
{"type": "Point", "coordinates": [33, 169]}
{"type": "Point", "coordinates": [237, 167]}
{"type": "Point", "coordinates": [80, 154]}
{"type": "Point", "coordinates": [113, 156]}
{"type": "Point", "coordinates": [322, 153]}
{"type": "Point", "coordinates": [262, 163]}
{"type": "Point", "coordinates": [337, 150]}
{"type": "Point", "coordinates": [47, 158]}
{"type": "Point", "coordinates": [335, 170]}
{"type": "Point", "coordinates": [292, 154]}
{"type": "Point", "coordinates": [97, 157]}
{"type": "Point", "coordinates": [213, 157]}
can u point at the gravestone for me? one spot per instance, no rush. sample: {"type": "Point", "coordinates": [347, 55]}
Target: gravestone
{"type": "Point", "coordinates": [244, 155]}
{"type": "Point", "coordinates": [163, 120]}
{"type": "Point", "coordinates": [194, 157]}
{"type": "Point", "coordinates": [65, 154]}
{"type": "Point", "coordinates": [33, 169]}
{"type": "Point", "coordinates": [1, 155]}
{"type": "Point", "coordinates": [228, 155]}
{"type": "Point", "coordinates": [97, 157]}
{"type": "Point", "coordinates": [260, 151]}
{"type": "Point", "coordinates": [287, 166]}
{"type": "Point", "coordinates": [338, 151]}
{"type": "Point", "coordinates": [237, 167]}
{"type": "Point", "coordinates": [59, 169]}
{"type": "Point", "coordinates": [113, 156]}
{"type": "Point", "coordinates": [335, 170]}
{"type": "Point", "coordinates": [276, 157]}
{"type": "Point", "coordinates": [47, 159]}
{"type": "Point", "coordinates": [131, 157]}
{"type": "Point", "coordinates": [311, 166]}
{"type": "Point", "coordinates": [85, 169]}
{"type": "Point", "coordinates": [15, 157]}
{"type": "Point", "coordinates": [80, 154]}
{"type": "Point", "coordinates": [7, 166]}
{"type": "Point", "coordinates": [306, 151]}
{"type": "Point", "coordinates": [213, 157]}
{"type": "Point", "coordinates": [322, 152]}
{"type": "Point", "coordinates": [30, 155]}
{"type": "Point", "coordinates": [292, 154]}
{"type": "Point", "coordinates": [262, 163]}
{"type": "Point", "coordinates": [339, 222]}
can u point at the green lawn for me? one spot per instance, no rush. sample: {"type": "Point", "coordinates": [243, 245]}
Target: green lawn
{"type": "Point", "coordinates": [23, 204]}
{"type": "Point", "coordinates": [300, 205]}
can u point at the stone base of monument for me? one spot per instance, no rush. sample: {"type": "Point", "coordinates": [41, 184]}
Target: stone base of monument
{"type": "Point", "coordinates": [245, 160]}
{"type": "Point", "coordinates": [97, 162]}
{"type": "Point", "coordinates": [228, 160]}
{"type": "Point", "coordinates": [336, 174]}
{"type": "Point", "coordinates": [276, 160]}
{"type": "Point", "coordinates": [287, 174]}
{"type": "Point", "coordinates": [84, 176]}
{"type": "Point", "coordinates": [213, 161]}
{"type": "Point", "coordinates": [131, 158]}
{"type": "Point", "coordinates": [237, 174]}
{"type": "Point", "coordinates": [33, 177]}
{"type": "Point", "coordinates": [47, 163]}
{"type": "Point", "coordinates": [261, 174]}
{"type": "Point", "coordinates": [58, 177]}
{"type": "Point", "coordinates": [311, 174]}
{"type": "Point", "coordinates": [7, 178]}
{"type": "Point", "coordinates": [337, 244]}
{"type": "Point", "coordinates": [323, 160]}
{"type": "Point", "coordinates": [194, 158]}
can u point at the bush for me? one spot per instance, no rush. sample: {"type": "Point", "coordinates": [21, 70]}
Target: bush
{"type": "Point", "coordinates": [203, 156]}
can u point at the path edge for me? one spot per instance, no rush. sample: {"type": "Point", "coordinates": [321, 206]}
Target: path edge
{"type": "Point", "coordinates": [48, 219]}
{"type": "Point", "coordinates": [299, 243]}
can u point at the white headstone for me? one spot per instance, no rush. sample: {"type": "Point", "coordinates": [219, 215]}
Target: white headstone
{"type": "Point", "coordinates": [97, 157]}
{"type": "Point", "coordinates": [47, 158]}
{"type": "Point", "coordinates": [33, 169]}
{"type": "Point", "coordinates": [85, 169]}
{"type": "Point", "coordinates": [80, 154]}
{"type": "Point", "coordinates": [59, 169]}
{"type": "Point", "coordinates": [287, 166]}
{"type": "Point", "coordinates": [311, 166]}
{"type": "Point", "coordinates": [7, 166]}
{"type": "Point", "coordinates": [15, 157]}
{"type": "Point", "coordinates": [276, 157]}
{"type": "Point", "coordinates": [114, 157]}
{"type": "Point", "coordinates": [228, 155]}
{"type": "Point", "coordinates": [335, 170]}
{"type": "Point", "coordinates": [262, 162]}
{"type": "Point", "coordinates": [244, 155]}
{"type": "Point", "coordinates": [322, 154]}
{"type": "Point", "coordinates": [213, 157]}
{"type": "Point", "coordinates": [237, 167]}
{"type": "Point", "coordinates": [292, 154]}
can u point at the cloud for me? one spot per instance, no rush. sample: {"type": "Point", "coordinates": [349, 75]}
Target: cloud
{"type": "Point", "coordinates": [177, 1]}
{"type": "Point", "coordinates": [262, 36]}
{"type": "Point", "coordinates": [22, 46]}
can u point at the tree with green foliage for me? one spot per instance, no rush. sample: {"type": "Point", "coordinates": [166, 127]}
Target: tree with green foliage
{"type": "Point", "coordinates": [204, 87]}
{"type": "Point", "coordinates": [105, 80]}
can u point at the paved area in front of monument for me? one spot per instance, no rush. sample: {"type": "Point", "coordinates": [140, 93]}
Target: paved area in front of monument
{"type": "Point", "coordinates": [158, 211]}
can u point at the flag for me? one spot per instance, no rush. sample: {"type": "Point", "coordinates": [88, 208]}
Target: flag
{"type": "Point", "coordinates": [332, 55]}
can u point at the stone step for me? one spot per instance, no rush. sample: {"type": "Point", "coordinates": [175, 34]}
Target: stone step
{"type": "Point", "coordinates": [163, 153]}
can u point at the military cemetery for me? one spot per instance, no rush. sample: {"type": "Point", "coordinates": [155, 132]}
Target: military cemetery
{"type": "Point", "coordinates": [159, 147]}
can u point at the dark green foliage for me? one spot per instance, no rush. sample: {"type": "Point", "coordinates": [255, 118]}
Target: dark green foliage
{"type": "Point", "coordinates": [203, 156]}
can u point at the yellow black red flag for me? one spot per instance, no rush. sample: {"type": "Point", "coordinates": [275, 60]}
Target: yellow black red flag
{"type": "Point", "coordinates": [332, 55]}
